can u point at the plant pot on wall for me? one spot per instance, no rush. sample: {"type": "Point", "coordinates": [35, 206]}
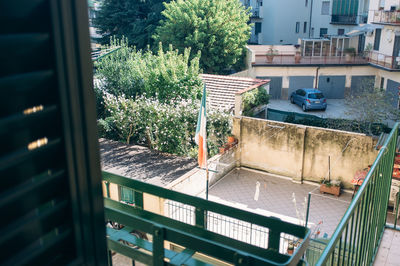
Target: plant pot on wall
{"type": "Point", "coordinates": [297, 57]}
{"type": "Point", "coordinates": [349, 54]}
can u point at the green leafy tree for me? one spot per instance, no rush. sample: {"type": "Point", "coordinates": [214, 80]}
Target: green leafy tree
{"type": "Point", "coordinates": [134, 19]}
{"type": "Point", "coordinates": [372, 106]}
{"type": "Point", "coordinates": [218, 28]}
{"type": "Point", "coordinates": [167, 76]}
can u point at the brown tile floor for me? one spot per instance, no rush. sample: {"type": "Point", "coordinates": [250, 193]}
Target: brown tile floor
{"type": "Point", "coordinates": [389, 249]}
{"type": "Point", "coordinates": [275, 198]}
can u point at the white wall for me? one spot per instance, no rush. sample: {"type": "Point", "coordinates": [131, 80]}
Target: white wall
{"type": "Point", "coordinates": [279, 21]}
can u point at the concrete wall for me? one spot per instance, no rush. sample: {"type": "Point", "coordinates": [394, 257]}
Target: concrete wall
{"type": "Point", "coordinates": [301, 152]}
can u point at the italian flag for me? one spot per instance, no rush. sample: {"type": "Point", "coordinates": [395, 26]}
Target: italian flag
{"type": "Point", "coordinates": [201, 134]}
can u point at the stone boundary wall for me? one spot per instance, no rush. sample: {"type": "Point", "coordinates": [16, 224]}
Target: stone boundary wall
{"type": "Point", "coordinates": [302, 152]}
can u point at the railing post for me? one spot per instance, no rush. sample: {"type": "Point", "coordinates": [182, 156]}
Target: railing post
{"type": "Point", "coordinates": [107, 189]}
{"type": "Point", "coordinates": [158, 246]}
{"type": "Point", "coordinates": [273, 240]}
{"type": "Point", "coordinates": [138, 199]}
{"type": "Point", "coordinates": [200, 218]}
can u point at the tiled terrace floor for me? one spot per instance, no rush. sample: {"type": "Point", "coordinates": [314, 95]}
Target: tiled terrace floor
{"type": "Point", "coordinates": [389, 249]}
{"type": "Point", "coordinates": [238, 189]}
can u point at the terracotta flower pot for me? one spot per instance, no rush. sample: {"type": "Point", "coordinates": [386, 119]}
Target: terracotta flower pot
{"type": "Point", "coordinates": [333, 190]}
{"type": "Point", "coordinates": [231, 139]}
{"type": "Point", "coordinates": [297, 57]}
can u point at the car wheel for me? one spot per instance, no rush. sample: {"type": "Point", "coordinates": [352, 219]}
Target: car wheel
{"type": "Point", "coordinates": [304, 108]}
{"type": "Point", "coordinates": [291, 100]}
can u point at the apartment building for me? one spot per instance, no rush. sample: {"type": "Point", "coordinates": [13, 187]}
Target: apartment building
{"type": "Point", "coordinates": [279, 22]}
{"type": "Point", "coordinates": [336, 17]}
{"type": "Point", "coordinates": [286, 21]}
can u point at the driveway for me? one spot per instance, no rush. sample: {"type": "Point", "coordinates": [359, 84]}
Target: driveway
{"type": "Point", "coordinates": [336, 108]}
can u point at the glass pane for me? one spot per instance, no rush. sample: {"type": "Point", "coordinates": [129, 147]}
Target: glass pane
{"type": "Point", "coordinates": [325, 48]}
{"type": "Point", "coordinates": [317, 48]}
{"type": "Point", "coordinates": [127, 195]}
{"type": "Point", "coordinates": [334, 44]}
{"type": "Point", "coordinates": [340, 47]}
{"type": "Point", "coordinates": [308, 51]}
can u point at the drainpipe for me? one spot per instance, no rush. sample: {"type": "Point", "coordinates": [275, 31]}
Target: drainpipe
{"type": "Point", "coordinates": [309, 26]}
{"type": "Point", "coordinates": [316, 78]}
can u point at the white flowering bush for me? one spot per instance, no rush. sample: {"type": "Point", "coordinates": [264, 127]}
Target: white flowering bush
{"type": "Point", "coordinates": [162, 126]}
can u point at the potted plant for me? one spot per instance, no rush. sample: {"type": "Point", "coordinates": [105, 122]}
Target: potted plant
{"type": "Point", "coordinates": [290, 248]}
{"type": "Point", "coordinates": [271, 53]}
{"type": "Point", "coordinates": [330, 187]}
{"type": "Point", "coordinates": [297, 55]}
{"type": "Point", "coordinates": [349, 54]}
{"type": "Point", "coordinates": [367, 50]}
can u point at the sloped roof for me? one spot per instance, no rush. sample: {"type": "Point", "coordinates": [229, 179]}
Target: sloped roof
{"type": "Point", "coordinates": [221, 89]}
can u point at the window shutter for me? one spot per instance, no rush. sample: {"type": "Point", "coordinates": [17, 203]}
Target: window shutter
{"type": "Point", "coordinates": [50, 194]}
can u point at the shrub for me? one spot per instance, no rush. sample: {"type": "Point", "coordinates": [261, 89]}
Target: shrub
{"type": "Point", "coordinates": [167, 76]}
{"type": "Point", "coordinates": [161, 126]}
{"type": "Point", "coordinates": [253, 99]}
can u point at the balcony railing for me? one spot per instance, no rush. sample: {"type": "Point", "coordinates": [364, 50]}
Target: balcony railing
{"type": "Point", "coordinates": [289, 59]}
{"type": "Point", "coordinates": [357, 237]}
{"type": "Point", "coordinates": [196, 235]}
{"type": "Point", "coordinates": [386, 17]}
{"type": "Point", "coordinates": [383, 60]}
{"type": "Point", "coordinates": [344, 19]}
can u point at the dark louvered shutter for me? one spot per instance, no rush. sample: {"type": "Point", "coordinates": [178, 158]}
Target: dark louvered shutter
{"type": "Point", "coordinates": [51, 205]}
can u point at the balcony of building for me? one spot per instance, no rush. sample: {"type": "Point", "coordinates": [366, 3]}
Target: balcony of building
{"type": "Point", "coordinates": [190, 230]}
{"type": "Point", "coordinates": [387, 17]}
{"type": "Point", "coordinates": [330, 50]}
{"type": "Point", "coordinates": [385, 61]}
{"type": "Point", "coordinates": [348, 19]}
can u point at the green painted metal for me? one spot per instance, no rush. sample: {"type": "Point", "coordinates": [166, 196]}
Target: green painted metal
{"type": "Point", "coordinates": [197, 237]}
{"type": "Point", "coordinates": [366, 215]}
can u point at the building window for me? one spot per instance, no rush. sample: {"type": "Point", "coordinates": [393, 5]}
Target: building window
{"type": "Point", "coordinates": [340, 32]}
{"type": "Point", "coordinates": [297, 27]}
{"type": "Point", "coordinates": [127, 195]}
{"type": "Point", "coordinates": [382, 83]}
{"type": "Point", "coordinates": [323, 32]}
{"type": "Point", "coordinates": [258, 27]}
{"type": "Point", "coordinates": [377, 40]}
{"type": "Point", "coordinates": [305, 27]}
{"type": "Point", "coordinates": [325, 7]}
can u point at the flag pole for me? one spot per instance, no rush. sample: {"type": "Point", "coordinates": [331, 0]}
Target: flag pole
{"type": "Point", "coordinates": [207, 182]}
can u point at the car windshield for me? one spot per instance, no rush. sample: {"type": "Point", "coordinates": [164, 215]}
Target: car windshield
{"type": "Point", "coordinates": [317, 95]}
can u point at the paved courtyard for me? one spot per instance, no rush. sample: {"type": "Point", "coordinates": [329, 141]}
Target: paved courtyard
{"type": "Point", "coordinates": [275, 198]}
{"type": "Point", "coordinates": [336, 108]}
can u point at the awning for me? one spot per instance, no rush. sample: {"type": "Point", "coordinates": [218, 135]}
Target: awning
{"type": "Point", "coordinates": [364, 29]}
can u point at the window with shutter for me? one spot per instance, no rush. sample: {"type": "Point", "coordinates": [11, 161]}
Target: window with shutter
{"type": "Point", "coordinates": [50, 194]}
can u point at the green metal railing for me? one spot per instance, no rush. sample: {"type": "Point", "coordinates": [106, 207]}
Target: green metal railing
{"type": "Point", "coordinates": [195, 238]}
{"type": "Point", "coordinates": [357, 237]}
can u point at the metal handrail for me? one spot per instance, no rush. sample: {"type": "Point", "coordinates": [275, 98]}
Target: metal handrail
{"type": "Point", "coordinates": [198, 237]}
{"type": "Point", "coordinates": [360, 230]}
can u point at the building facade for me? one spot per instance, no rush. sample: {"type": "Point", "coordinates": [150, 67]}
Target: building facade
{"type": "Point", "coordinates": [336, 17]}
{"type": "Point", "coordinates": [278, 22]}
{"type": "Point", "coordinates": [286, 21]}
